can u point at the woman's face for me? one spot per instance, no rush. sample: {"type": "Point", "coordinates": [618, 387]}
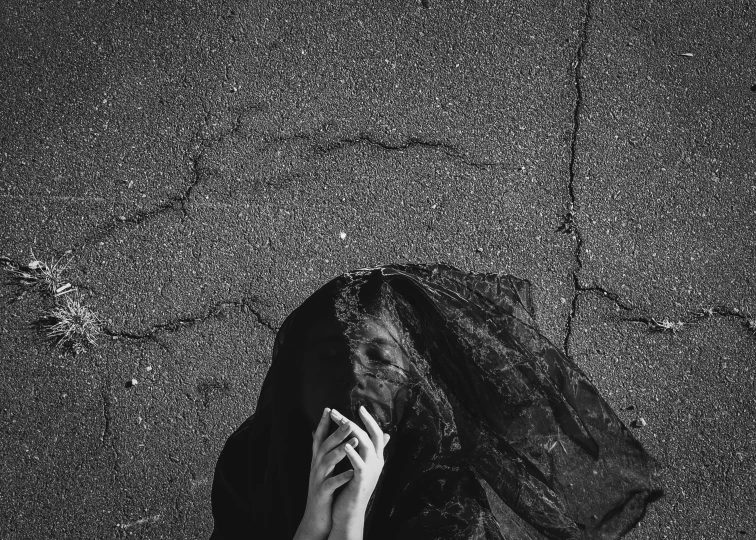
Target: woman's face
{"type": "Point", "coordinates": [373, 372]}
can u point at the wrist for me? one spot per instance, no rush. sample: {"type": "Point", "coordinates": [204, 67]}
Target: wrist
{"type": "Point", "coordinates": [312, 527]}
{"type": "Point", "coordinates": [304, 534]}
{"type": "Point", "coordinates": [351, 529]}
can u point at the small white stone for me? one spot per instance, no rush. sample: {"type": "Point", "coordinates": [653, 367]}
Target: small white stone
{"type": "Point", "coordinates": [134, 382]}
{"type": "Point", "coordinates": [342, 235]}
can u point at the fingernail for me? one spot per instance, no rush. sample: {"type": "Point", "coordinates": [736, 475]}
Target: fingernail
{"type": "Point", "coordinates": [336, 414]}
{"type": "Point", "coordinates": [325, 411]}
{"type": "Point", "coordinates": [363, 409]}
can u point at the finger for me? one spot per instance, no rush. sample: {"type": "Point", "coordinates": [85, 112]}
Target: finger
{"type": "Point", "coordinates": [376, 434]}
{"type": "Point", "coordinates": [357, 462]}
{"type": "Point", "coordinates": [334, 456]}
{"type": "Point", "coordinates": [334, 482]}
{"type": "Point", "coordinates": [366, 445]}
{"type": "Point", "coordinates": [321, 430]}
{"type": "Point", "coordinates": [336, 438]}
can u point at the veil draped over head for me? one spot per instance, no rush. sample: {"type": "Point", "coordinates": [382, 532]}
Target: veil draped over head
{"type": "Point", "coordinates": [453, 366]}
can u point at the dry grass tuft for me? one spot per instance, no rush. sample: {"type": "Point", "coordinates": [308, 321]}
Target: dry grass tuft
{"type": "Point", "coordinates": [71, 325]}
{"type": "Point", "coordinates": [705, 312]}
{"type": "Point", "coordinates": [750, 322]}
{"type": "Point", "coordinates": [38, 276]}
{"type": "Point", "coordinates": [665, 326]}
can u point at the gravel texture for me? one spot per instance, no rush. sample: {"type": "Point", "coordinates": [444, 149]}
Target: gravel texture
{"type": "Point", "coordinates": [210, 164]}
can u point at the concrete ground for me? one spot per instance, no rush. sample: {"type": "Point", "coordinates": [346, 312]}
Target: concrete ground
{"type": "Point", "coordinates": [210, 164]}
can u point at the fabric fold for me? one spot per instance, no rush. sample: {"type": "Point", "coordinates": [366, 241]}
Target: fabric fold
{"type": "Point", "coordinates": [454, 367]}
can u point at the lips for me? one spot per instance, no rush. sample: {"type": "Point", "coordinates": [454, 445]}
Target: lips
{"type": "Point", "coordinates": [378, 400]}
{"type": "Point", "coordinates": [379, 411]}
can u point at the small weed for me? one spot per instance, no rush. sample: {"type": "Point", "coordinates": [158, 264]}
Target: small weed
{"type": "Point", "coordinates": [665, 326]}
{"type": "Point", "coordinates": [568, 226]}
{"type": "Point", "coordinates": [705, 312]}
{"type": "Point", "coordinates": [750, 322]}
{"type": "Point", "coordinates": [72, 324]}
{"type": "Point", "coordinates": [38, 276]}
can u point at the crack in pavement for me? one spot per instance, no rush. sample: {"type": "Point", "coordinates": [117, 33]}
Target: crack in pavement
{"type": "Point", "coordinates": [411, 142]}
{"type": "Point", "coordinates": [200, 143]}
{"type": "Point", "coordinates": [107, 416]}
{"type": "Point", "coordinates": [568, 225]}
{"type": "Point", "coordinates": [246, 304]}
{"type": "Point", "coordinates": [106, 438]}
{"type": "Point", "coordinates": [608, 294]}
{"type": "Point", "coordinates": [195, 151]}
{"type": "Point", "coordinates": [695, 317]}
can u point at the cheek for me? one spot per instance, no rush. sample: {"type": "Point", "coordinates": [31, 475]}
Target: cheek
{"type": "Point", "coordinates": [312, 398]}
{"type": "Point", "coordinates": [385, 401]}
{"type": "Point", "coordinates": [401, 399]}
{"type": "Point", "coordinates": [325, 385]}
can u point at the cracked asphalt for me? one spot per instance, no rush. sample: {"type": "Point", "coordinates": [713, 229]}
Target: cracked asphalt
{"type": "Point", "coordinates": [201, 160]}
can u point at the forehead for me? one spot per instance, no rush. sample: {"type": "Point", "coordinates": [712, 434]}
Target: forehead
{"type": "Point", "coordinates": [325, 327]}
{"type": "Point", "coordinates": [382, 332]}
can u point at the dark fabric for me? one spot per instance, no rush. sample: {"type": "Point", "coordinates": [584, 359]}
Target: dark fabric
{"type": "Point", "coordinates": [467, 387]}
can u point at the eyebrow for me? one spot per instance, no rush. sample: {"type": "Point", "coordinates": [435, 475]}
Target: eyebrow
{"type": "Point", "coordinates": [390, 342]}
{"type": "Point", "coordinates": [378, 340]}
{"type": "Point", "coordinates": [383, 341]}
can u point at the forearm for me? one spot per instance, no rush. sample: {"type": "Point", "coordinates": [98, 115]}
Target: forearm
{"type": "Point", "coordinates": [313, 528]}
{"type": "Point", "coordinates": [303, 534]}
{"type": "Point", "coordinates": [351, 530]}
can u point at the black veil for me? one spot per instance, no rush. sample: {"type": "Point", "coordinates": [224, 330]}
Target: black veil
{"type": "Point", "coordinates": [471, 390]}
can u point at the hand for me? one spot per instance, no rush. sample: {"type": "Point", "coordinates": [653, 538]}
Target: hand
{"type": "Point", "coordinates": [326, 453]}
{"type": "Point", "coordinates": [350, 505]}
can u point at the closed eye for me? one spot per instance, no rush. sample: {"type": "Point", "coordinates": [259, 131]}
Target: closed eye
{"type": "Point", "coordinates": [375, 357]}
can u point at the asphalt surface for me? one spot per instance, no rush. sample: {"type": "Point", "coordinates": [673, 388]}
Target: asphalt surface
{"type": "Point", "coordinates": [201, 160]}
